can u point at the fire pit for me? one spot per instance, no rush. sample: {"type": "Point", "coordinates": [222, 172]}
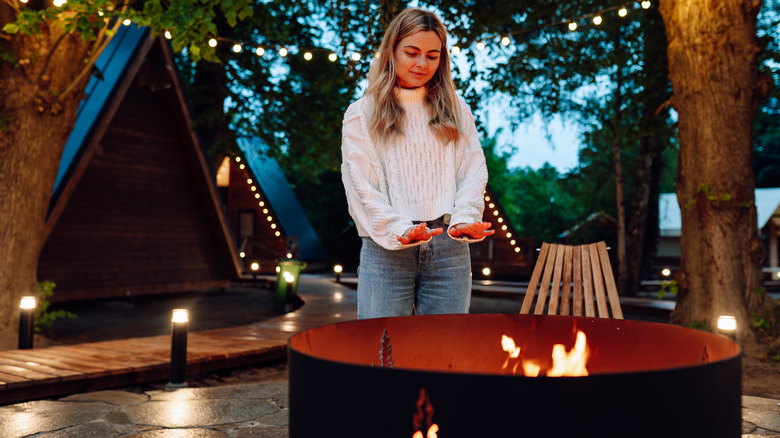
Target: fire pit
{"type": "Point", "coordinates": [397, 377]}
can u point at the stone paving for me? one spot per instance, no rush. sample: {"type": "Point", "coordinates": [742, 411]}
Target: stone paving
{"type": "Point", "coordinates": [252, 410]}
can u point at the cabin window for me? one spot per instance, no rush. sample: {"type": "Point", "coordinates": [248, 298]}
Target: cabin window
{"type": "Point", "coordinates": [223, 173]}
{"type": "Point", "coordinates": [247, 220]}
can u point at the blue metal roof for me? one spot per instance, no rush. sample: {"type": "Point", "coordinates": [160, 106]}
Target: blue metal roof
{"type": "Point", "coordinates": [283, 201]}
{"type": "Point", "coordinates": [112, 64]}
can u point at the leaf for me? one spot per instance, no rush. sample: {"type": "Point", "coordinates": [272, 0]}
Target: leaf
{"type": "Point", "coordinates": [11, 28]}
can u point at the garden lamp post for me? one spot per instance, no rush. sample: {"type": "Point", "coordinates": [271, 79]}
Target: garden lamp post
{"type": "Point", "coordinates": [26, 322]}
{"type": "Point", "coordinates": [179, 323]}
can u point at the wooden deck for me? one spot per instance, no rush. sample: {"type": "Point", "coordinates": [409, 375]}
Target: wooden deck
{"type": "Point", "coordinates": [59, 370]}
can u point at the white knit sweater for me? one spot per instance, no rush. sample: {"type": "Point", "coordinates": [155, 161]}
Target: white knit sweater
{"type": "Point", "coordinates": [413, 177]}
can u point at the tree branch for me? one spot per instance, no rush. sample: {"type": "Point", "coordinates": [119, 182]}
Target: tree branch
{"type": "Point", "coordinates": [666, 103]}
{"type": "Point", "coordinates": [96, 52]}
{"type": "Point", "coordinates": [13, 4]}
{"type": "Point", "coordinates": [48, 57]}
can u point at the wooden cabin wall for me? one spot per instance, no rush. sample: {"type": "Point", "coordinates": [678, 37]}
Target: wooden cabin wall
{"type": "Point", "coordinates": [136, 223]}
{"type": "Point", "coordinates": [265, 247]}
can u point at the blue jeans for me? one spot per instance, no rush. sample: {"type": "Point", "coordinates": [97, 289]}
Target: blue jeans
{"type": "Point", "coordinates": [431, 278]}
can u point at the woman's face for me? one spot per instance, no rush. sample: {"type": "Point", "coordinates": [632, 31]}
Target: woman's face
{"type": "Point", "coordinates": [416, 58]}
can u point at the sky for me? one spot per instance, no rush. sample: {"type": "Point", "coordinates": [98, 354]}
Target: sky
{"type": "Point", "coordinates": [537, 141]}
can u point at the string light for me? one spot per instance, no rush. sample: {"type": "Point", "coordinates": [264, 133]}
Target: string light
{"type": "Point", "coordinates": [58, 3]}
{"type": "Point", "coordinates": [126, 22]}
{"type": "Point", "coordinates": [168, 34]}
{"type": "Point", "coordinates": [271, 224]}
{"type": "Point", "coordinates": [597, 17]}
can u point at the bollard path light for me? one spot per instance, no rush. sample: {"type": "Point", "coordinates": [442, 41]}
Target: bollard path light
{"type": "Point", "coordinates": [338, 269]}
{"type": "Point", "coordinates": [254, 267]}
{"type": "Point", "coordinates": [179, 322]}
{"type": "Point", "coordinates": [289, 279]}
{"type": "Point", "coordinates": [26, 322]}
{"type": "Point", "coordinates": [727, 326]}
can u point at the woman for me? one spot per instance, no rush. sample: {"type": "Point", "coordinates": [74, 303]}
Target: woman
{"type": "Point", "coordinates": [412, 165]}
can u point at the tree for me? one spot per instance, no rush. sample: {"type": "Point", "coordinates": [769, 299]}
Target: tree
{"type": "Point", "coordinates": [607, 76]}
{"type": "Point", "coordinates": [47, 54]}
{"type": "Point", "coordinates": [713, 67]}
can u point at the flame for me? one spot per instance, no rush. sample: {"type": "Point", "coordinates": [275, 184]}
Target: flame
{"type": "Point", "coordinates": [431, 432]}
{"type": "Point", "coordinates": [423, 417]}
{"type": "Point", "coordinates": [572, 363]}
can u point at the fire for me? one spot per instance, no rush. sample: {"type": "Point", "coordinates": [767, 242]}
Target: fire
{"type": "Point", "coordinates": [424, 416]}
{"type": "Point", "coordinates": [508, 344]}
{"type": "Point", "coordinates": [431, 432]}
{"type": "Point", "coordinates": [571, 363]}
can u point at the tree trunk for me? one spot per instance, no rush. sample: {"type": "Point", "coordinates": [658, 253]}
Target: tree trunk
{"type": "Point", "coordinates": [637, 214]}
{"type": "Point", "coordinates": [712, 63]}
{"type": "Point", "coordinates": [31, 144]}
{"type": "Point", "coordinates": [622, 278]}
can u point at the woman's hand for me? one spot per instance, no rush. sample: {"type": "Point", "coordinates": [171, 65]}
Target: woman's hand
{"type": "Point", "coordinates": [418, 232]}
{"type": "Point", "coordinates": [476, 230]}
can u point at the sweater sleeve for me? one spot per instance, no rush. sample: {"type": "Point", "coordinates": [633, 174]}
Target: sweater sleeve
{"type": "Point", "coordinates": [363, 179]}
{"type": "Point", "coordinates": [471, 175]}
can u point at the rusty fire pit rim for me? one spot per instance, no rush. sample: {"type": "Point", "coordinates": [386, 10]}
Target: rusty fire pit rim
{"type": "Point", "coordinates": [295, 338]}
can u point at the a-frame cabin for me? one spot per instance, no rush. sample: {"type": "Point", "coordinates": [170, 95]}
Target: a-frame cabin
{"type": "Point", "coordinates": [269, 221]}
{"type": "Point", "coordinates": [134, 209]}
{"type": "Point", "coordinates": [505, 254]}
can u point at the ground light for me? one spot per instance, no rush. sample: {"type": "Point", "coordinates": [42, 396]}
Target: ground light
{"type": "Point", "coordinates": [289, 279]}
{"type": "Point", "coordinates": [337, 270]}
{"type": "Point", "coordinates": [254, 267]}
{"type": "Point", "coordinates": [26, 322]}
{"type": "Point", "coordinates": [727, 326]}
{"type": "Point", "coordinates": [179, 321]}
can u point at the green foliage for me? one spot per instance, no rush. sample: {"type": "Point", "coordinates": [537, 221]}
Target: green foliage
{"type": "Point", "coordinates": [44, 318]}
{"type": "Point", "coordinates": [759, 322]}
{"type": "Point", "coordinates": [191, 22]}
{"type": "Point", "coordinates": [698, 325]}
{"type": "Point", "coordinates": [4, 121]}
{"type": "Point", "coordinates": [761, 292]}
{"type": "Point", "coordinates": [670, 287]}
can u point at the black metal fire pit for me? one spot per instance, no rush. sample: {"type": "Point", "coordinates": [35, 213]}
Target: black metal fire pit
{"type": "Point", "coordinates": [645, 379]}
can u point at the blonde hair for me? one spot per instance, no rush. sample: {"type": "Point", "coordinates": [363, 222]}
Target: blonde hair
{"type": "Point", "coordinates": [440, 97]}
